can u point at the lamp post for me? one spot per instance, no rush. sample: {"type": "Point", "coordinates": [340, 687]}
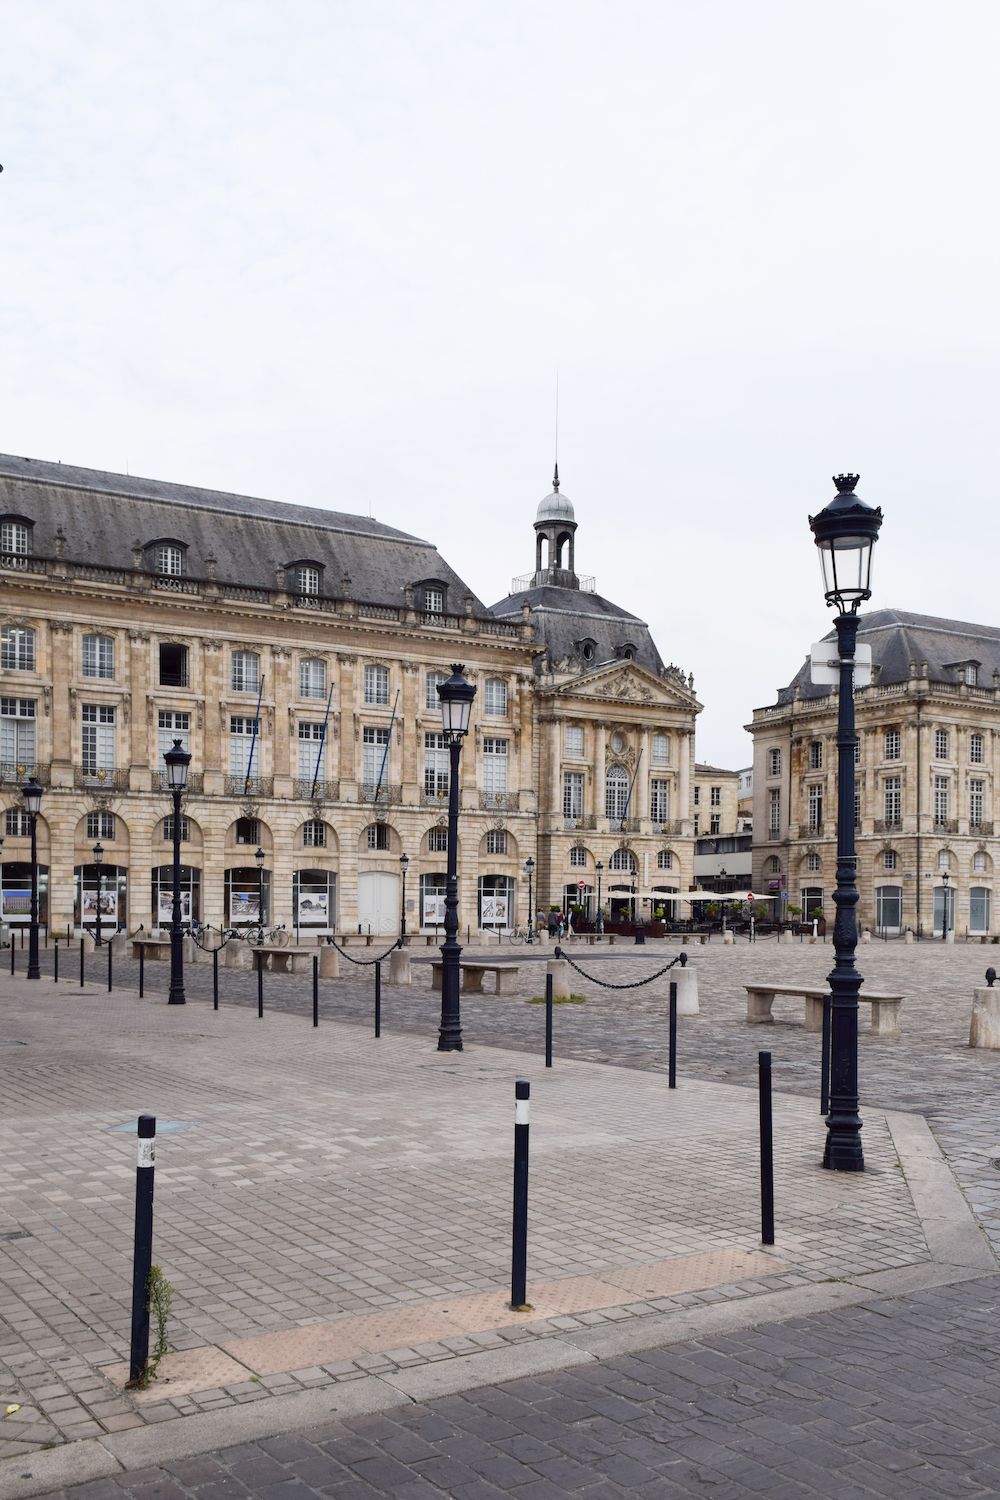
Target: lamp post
{"type": "Point", "coordinates": [404, 865]}
{"type": "Point", "coordinates": [945, 877]}
{"type": "Point", "coordinates": [722, 889]}
{"type": "Point", "coordinates": [31, 794]}
{"type": "Point", "coordinates": [456, 695]}
{"type": "Point", "coordinates": [98, 856]}
{"type": "Point", "coordinates": [177, 761]}
{"type": "Point", "coordinates": [260, 857]}
{"type": "Point", "coordinates": [845, 533]}
{"type": "Point", "coordinates": [600, 909]}
{"type": "Point", "coordinates": [529, 870]}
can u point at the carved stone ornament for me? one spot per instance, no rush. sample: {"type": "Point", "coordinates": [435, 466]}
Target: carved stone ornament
{"type": "Point", "coordinates": [213, 647]}
{"type": "Point", "coordinates": [250, 808]}
{"type": "Point", "coordinates": [498, 823]}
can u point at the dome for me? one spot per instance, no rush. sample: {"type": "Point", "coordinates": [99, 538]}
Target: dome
{"type": "Point", "coordinates": [555, 507]}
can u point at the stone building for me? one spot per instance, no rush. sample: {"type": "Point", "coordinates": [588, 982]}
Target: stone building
{"type": "Point", "coordinates": [615, 733]}
{"type": "Point", "coordinates": [927, 763]}
{"type": "Point", "coordinates": [296, 654]}
{"type": "Point", "coordinates": [716, 800]}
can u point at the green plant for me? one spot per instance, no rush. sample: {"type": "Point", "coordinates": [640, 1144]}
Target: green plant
{"type": "Point", "coordinates": [558, 1000]}
{"type": "Point", "coordinates": [159, 1298]}
{"type": "Point", "coordinates": [793, 910]}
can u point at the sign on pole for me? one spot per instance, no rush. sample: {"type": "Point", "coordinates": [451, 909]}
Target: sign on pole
{"type": "Point", "coordinates": [750, 897]}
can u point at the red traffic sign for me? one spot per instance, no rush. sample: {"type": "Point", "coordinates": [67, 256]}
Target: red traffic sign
{"type": "Point", "coordinates": [750, 897]}
{"type": "Point", "coordinates": [581, 885]}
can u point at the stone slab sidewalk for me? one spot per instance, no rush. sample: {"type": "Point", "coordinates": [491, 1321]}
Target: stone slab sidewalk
{"type": "Point", "coordinates": [333, 1210]}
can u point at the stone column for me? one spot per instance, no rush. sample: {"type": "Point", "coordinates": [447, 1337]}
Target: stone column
{"type": "Point", "coordinates": [141, 777]}
{"type": "Point", "coordinates": [61, 726]}
{"type": "Point", "coordinates": [214, 738]}
{"type": "Point", "coordinates": [281, 765]}
{"type": "Point", "coordinates": [349, 730]}
{"type": "Point", "coordinates": [412, 736]}
{"type": "Point", "coordinates": [642, 777]}
{"type": "Point", "coordinates": [684, 778]}
{"type": "Point", "coordinates": [597, 785]}
{"type": "Point", "coordinates": [555, 761]}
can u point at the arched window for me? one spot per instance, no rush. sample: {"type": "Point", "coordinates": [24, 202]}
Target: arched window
{"type": "Point", "coordinates": [979, 860]}
{"type": "Point", "coordinates": [889, 859]}
{"type": "Point", "coordinates": [168, 559]}
{"type": "Point", "coordinates": [437, 840]}
{"type": "Point", "coordinates": [813, 862]}
{"type": "Point", "coordinates": [664, 860]}
{"type": "Point", "coordinates": [496, 841]}
{"type": "Point", "coordinates": [944, 860]}
{"type": "Point", "coordinates": [616, 793]}
{"type": "Point", "coordinates": [774, 865]}
{"type": "Point", "coordinates": [246, 672]}
{"type": "Point", "coordinates": [578, 855]}
{"type": "Point", "coordinates": [98, 656]}
{"type": "Point", "coordinates": [495, 698]}
{"type": "Point", "coordinates": [314, 834]}
{"type": "Point", "coordinates": [377, 835]}
{"type": "Point", "coordinates": [622, 859]}
{"type": "Point", "coordinates": [17, 648]}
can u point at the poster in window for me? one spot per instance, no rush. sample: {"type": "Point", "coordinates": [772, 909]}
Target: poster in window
{"type": "Point", "coordinates": [314, 908]}
{"type": "Point", "coordinates": [494, 911]}
{"type": "Point", "coordinates": [17, 903]}
{"type": "Point", "coordinates": [244, 906]}
{"type": "Point", "coordinates": [433, 909]}
{"type": "Point", "coordinates": [109, 906]}
{"type": "Point", "coordinates": [165, 907]}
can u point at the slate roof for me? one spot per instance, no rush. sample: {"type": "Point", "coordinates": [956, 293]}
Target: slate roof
{"type": "Point", "coordinates": [105, 515]}
{"type": "Point", "coordinates": [898, 637]}
{"type": "Point", "coordinates": [564, 617]}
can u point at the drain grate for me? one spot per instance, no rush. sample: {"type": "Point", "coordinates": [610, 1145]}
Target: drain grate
{"type": "Point", "coordinates": [17, 1234]}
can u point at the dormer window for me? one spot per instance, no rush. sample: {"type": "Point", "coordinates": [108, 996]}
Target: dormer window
{"type": "Point", "coordinates": [625, 652]}
{"type": "Point", "coordinates": [433, 597]}
{"type": "Point", "coordinates": [168, 559]}
{"type": "Point", "coordinates": [15, 541]}
{"type": "Point", "coordinates": [306, 578]}
{"type": "Point", "coordinates": [587, 648]}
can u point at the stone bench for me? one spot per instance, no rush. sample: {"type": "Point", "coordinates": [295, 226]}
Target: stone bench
{"type": "Point", "coordinates": [505, 979]}
{"type": "Point", "coordinates": [156, 949]}
{"type": "Point", "coordinates": [760, 998]}
{"type": "Point", "coordinates": [282, 960]}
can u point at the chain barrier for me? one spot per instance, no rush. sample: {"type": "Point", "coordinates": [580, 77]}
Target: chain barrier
{"type": "Point", "coordinates": [364, 963]}
{"type": "Point", "coordinates": [226, 934]}
{"type": "Point", "coordinates": [606, 984]}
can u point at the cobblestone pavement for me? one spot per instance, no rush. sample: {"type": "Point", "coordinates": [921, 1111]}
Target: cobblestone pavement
{"type": "Point", "coordinates": [899, 1398]}
{"type": "Point", "coordinates": [931, 1070]}
{"type": "Point", "coordinates": [328, 1205]}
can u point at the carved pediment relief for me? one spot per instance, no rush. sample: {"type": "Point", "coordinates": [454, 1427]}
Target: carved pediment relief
{"type": "Point", "coordinates": [626, 684]}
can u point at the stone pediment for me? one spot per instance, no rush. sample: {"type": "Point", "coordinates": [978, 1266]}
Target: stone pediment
{"type": "Point", "coordinates": [627, 683]}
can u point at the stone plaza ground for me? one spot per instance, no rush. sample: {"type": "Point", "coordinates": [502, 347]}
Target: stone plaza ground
{"type": "Point", "coordinates": [334, 1211]}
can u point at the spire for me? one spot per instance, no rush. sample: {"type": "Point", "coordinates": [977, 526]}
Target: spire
{"type": "Point", "coordinates": [555, 480]}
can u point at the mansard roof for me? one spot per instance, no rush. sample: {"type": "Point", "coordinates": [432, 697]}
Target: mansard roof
{"type": "Point", "coordinates": [566, 618]}
{"type": "Point", "coordinates": [898, 638]}
{"type": "Point", "coordinates": [105, 516]}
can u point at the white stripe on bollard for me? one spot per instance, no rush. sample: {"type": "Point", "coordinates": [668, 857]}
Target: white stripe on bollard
{"type": "Point", "coordinates": [146, 1156]}
{"type": "Point", "coordinates": [522, 1111]}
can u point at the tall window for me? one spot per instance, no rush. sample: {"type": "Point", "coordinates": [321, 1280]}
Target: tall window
{"type": "Point", "coordinates": [659, 800]}
{"type": "Point", "coordinates": [889, 907]}
{"type": "Point", "coordinates": [979, 908]}
{"type": "Point", "coordinates": [572, 794]}
{"type": "Point", "coordinates": [892, 800]}
{"type": "Point", "coordinates": [661, 749]}
{"type": "Point", "coordinates": [17, 734]}
{"type": "Point", "coordinates": [101, 825]}
{"type": "Point", "coordinates": [98, 740]}
{"type": "Point", "coordinates": [857, 751]}
{"type": "Point", "coordinates": [715, 823]}
{"type": "Point", "coordinates": [979, 860]}
{"type": "Point", "coordinates": [622, 859]}
{"type": "Point", "coordinates": [436, 765]}
{"type": "Point", "coordinates": [774, 763]}
{"type": "Point", "coordinates": [813, 862]}
{"type": "Point", "coordinates": [14, 538]}
{"type": "Point", "coordinates": [248, 831]}
{"type": "Point", "coordinates": [697, 796]}
{"type": "Point", "coordinates": [312, 677]}
{"type": "Point", "coordinates": [976, 790]}
{"type": "Point", "coordinates": [374, 750]}
{"type": "Point", "coordinates": [168, 830]}
{"type": "Point", "coordinates": [98, 656]}
{"type": "Point", "coordinates": [246, 672]}
{"type": "Point", "coordinates": [314, 834]}
{"type": "Point", "coordinates": [495, 767]}
{"type": "Point", "coordinates": [437, 840]}
{"type": "Point", "coordinates": [774, 813]}
{"type": "Point", "coordinates": [616, 792]}
{"type": "Point", "coordinates": [17, 824]}
{"type": "Point", "coordinates": [496, 841]}
{"type": "Point", "coordinates": [891, 747]}
{"type": "Point", "coordinates": [496, 698]}
{"type": "Point", "coordinates": [17, 648]}
{"type": "Point", "coordinates": [573, 739]}
{"type": "Point", "coordinates": [169, 560]}
{"type": "Point", "coordinates": [857, 808]}
{"type": "Point", "coordinates": [815, 808]}
{"type": "Point", "coordinates": [715, 799]}
{"type": "Point", "coordinates": [310, 749]}
{"type": "Point", "coordinates": [664, 860]}
{"type": "Point", "coordinates": [815, 755]}
{"type": "Point", "coordinates": [376, 685]}
{"type": "Point", "coordinates": [976, 749]}
{"type": "Point", "coordinates": [889, 859]}
{"type": "Point", "coordinates": [940, 744]}
{"type": "Point", "coordinates": [171, 725]}
{"type": "Point", "coordinates": [431, 699]}
{"type": "Point", "coordinates": [578, 855]}
{"type": "Point", "coordinates": [970, 673]}
{"type": "Point", "coordinates": [697, 824]}
{"type": "Point", "coordinates": [940, 800]}
{"type": "Point", "coordinates": [377, 835]}
{"type": "Point", "coordinates": [307, 579]}
{"type": "Point", "coordinates": [241, 746]}
{"type": "Point", "coordinates": [173, 664]}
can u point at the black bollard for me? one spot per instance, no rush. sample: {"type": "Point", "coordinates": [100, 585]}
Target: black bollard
{"type": "Point", "coordinates": [142, 1255]}
{"type": "Point", "coordinates": [519, 1247]}
{"type": "Point", "coordinates": [12, 952]}
{"type": "Point", "coordinates": [142, 970]}
{"type": "Point", "coordinates": [110, 951]}
{"type": "Point", "coordinates": [260, 985]}
{"type": "Point", "coordinates": [766, 1150]}
{"type": "Point", "coordinates": [378, 998]}
{"type": "Point", "coordinates": [55, 960]}
{"type": "Point", "coordinates": [315, 989]}
{"type": "Point", "coordinates": [22, 937]}
{"type": "Point", "coordinates": [81, 963]}
{"type": "Point", "coordinates": [672, 1056]}
{"type": "Point", "coordinates": [824, 1082]}
{"type": "Point", "coordinates": [215, 978]}
{"type": "Point", "coordinates": [548, 1020]}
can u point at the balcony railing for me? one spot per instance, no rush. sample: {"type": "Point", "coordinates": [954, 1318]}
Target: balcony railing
{"type": "Point", "coordinates": [381, 793]}
{"type": "Point", "coordinates": [195, 782]}
{"type": "Point", "coordinates": [16, 773]}
{"type": "Point", "coordinates": [249, 786]}
{"type": "Point", "coordinates": [500, 801]}
{"type": "Point", "coordinates": [810, 830]}
{"type": "Point", "coordinates": [172, 585]}
{"type": "Point", "coordinates": [101, 778]}
{"type": "Point", "coordinates": [18, 560]}
{"type": "Point", "coordinates": [434, 799]}
{"type": "Point", "coordinates": [324, 788]}
{"type": "Point", "coordinates": [586, 822]}
{"type": "Point", "coordinates": [625, 825]}
{"type": "Point", "coordinates": [672, 827]}
{"type": "Point", "coordinates": [888, 825]}
{"type": "Point", "coordinates": [945, 825]}
{"type": "Point", "coordinates": [984, 829]}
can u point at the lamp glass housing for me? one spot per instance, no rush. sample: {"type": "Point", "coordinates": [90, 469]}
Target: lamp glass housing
{"type": "Point", "coordinates": [456, 694]}
{"type": "Point", "coordinates": [178, 760]}
{"type": "Point", "coordinates": [845, 534]}
{"type": "Point", "coordinates": [404, 860]}
{"type": "Point", "coordinates": [260, 857]}
{"type": "Point", "coordinates": [31, 794]}
{"type": "Point", "coordinates": [98, 852]}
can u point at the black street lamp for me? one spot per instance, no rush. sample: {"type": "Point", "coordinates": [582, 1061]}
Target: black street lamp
{"type": "Point", "coordinates": [845, 533]}
{"type": "Point", "coordinates": [529, 870]}
{"type": "Point", "coordinates": [945, 877]}
{"type": "Point", "coordinates": [31, 794]}
{"type": "Point", "coordinates": [99, 861]}
{"type": "Point", "coordinates": [260, 857]}
{"type": "Point", "coordinates": [404, 865]}
{"type": "Point", "coordinates": [722, 892]}
{"type": "Point", "coordinates": [178, 760]}
{"type": "Point", "coordinates": [456, 695]}
{"type": "Point", "coordinates": [600, 910]}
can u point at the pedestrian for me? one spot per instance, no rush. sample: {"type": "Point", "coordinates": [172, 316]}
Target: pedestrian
{"type": "Point", "coordinates": [561, 927]}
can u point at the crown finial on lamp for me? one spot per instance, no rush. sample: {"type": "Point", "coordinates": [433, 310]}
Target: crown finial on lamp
{"type": "Point", "coordinates": [845, 483]}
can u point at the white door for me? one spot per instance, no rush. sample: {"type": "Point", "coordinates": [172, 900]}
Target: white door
{"type": "Point", "coordinates": [378, 902]}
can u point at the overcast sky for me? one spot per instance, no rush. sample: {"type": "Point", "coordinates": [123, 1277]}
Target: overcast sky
{"type": "Point", "coordinates": [335, 253]}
